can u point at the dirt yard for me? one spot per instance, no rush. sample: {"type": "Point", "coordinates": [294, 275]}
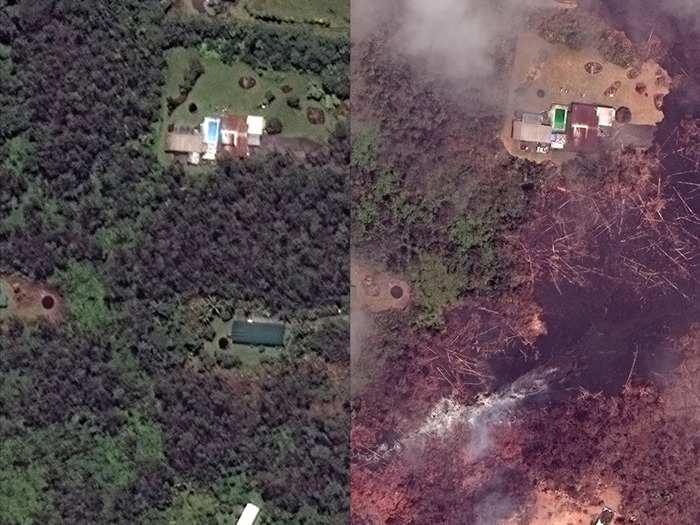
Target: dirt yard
{"type": "Point", "coordinates": [557, 508]}
{"type": "Point", "coordinates": [377, 291]}
{"type": "Point", "coordinates": [29, 302]}
{"type": "Point", "coordinates": [559, 74]}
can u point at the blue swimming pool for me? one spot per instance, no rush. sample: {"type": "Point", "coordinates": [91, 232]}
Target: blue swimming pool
{"type": "Point", "coordinates": [212, 130]}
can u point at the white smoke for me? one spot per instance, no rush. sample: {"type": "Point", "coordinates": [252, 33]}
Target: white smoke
{"type": "Point", "coordinates": [460, 38]}
{"type": "Point", "coordinates": [478, 420]}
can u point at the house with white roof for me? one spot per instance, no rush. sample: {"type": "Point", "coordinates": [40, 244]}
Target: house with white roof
{"type": "Point", "coordinates": [228, 134]}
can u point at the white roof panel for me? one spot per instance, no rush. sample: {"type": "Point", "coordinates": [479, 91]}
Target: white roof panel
{"type": "Point", "coordinates": [256, 124]}
{"type": "Point", "coordinates": [250, 513]}
{"type": "Point", "coordinates": [606, 116]}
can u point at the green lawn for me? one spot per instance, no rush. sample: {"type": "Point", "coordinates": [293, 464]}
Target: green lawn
{"type": "Point", "coordinates": [336, 12]}
{"type": "Point", "coordinates": [217, 90]}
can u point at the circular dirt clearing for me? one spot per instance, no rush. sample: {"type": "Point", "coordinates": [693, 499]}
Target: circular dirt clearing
{"type": "Point", "coordinates": [593, 67]}
{"type": "Point", "coordinates": [48, 302]}
{"type": "Point", "coordinates": [223, 343]}
{"type": "Point", "coordinates": [396, 292]}
{"type": "Point", "coordinates": [623, 115]}
{"type": "Point", "coordinates": [246, 82]}
{"type": "Point", "coordinates": [540, 93]}
{"type": "Point", "coordinates": [192, 108]}
{"type": "Point", "coordinates": [634, 73]}
{"type": "Point", "coordinates": [315, 115]}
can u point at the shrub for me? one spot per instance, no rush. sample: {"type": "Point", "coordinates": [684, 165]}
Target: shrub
{"type": "Point", "coordinates": [615, 47]}
{"type": "Point", "coordinates": [228, 360]}
{"type": "Point", "coordinates": [314, 91]}
{"type": "Point", "coordinates": [274, 126]}
{"type": "Point", "coordinates": [86, 296]}
{"type": "Point", "coordinates": [294, 102]}
{"type": "Point", "coordinates": [434, 288]}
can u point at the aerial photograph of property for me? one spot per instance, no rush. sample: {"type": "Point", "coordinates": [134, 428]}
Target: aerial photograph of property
{"type": "Point", "coordinates": [174, 262]}
{"type": "Point", "coordinates": [525, 265]}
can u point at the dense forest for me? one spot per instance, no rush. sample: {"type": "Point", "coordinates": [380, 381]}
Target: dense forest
{"type": "Point", "coordinates": [103, 418]}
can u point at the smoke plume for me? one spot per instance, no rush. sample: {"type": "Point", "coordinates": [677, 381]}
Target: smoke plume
{"type": "Point", "coordinates": [460, 38]}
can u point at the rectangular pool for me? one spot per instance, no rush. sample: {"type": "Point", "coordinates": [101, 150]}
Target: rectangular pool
{"type": "Point", "coordinates": [559, 120]}
{"type": "Point", "coordinates": [211, 130]}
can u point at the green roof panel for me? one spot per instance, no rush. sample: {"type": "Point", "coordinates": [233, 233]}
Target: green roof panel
{"type": "Point", "coordinates": [257, 333]}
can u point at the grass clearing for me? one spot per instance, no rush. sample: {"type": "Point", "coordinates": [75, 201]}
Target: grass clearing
{"type": "Point", "coordinates": [217, 90]}
{"type": "Point", "coordinates": [86, 296]}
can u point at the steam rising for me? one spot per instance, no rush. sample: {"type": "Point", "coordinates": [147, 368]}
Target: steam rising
{"type": "Point", "coordinates": [455, 38]}
{"type": "Point", "coordinates": [478, 419]}
{"type": "Point", "coordinates": [463, 45]}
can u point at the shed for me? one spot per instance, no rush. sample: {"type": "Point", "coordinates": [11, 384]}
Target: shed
{"type": "Point", "coordinates": [256, 127]}
{"type": "Point", "coordinates": [253, 332]}
{"type": "Point", "coordinates": [4, 300]}
{"type": "Point", "coordinates": [249, 515]}
{"type": "Point", "coordinates": [185, 143]}
{"type": "Point", "coordinates": [527, 132]}
{"type": "Point", "coordinates": [606, 116]}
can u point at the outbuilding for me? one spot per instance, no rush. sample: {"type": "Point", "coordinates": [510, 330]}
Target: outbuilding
{"type": "Point", "coordinates": [256, 128]}
{"type": "Point", "coordinates": [249, 515]}
{"type": "Point", "coordinates": [531, 132]}
{"type": "Point", "coordinates": [258, 332]}
{"type": "Point", "coordinates": [186, 143]}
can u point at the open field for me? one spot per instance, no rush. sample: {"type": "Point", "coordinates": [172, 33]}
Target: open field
{"type": "Point", "coordinates": [544, 74]}
{"type": "Point", "coordinates": [217, 90]}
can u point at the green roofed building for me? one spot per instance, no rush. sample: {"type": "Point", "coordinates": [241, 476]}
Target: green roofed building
{"type": "Point", "coordinates": [263, 333]}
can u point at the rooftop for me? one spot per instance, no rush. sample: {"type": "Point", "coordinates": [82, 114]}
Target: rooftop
{"type": "Point", "coordinates": [178, 142]}
{"type": "Point", "coordinates": [234, 135]}
{"type": "Point", "coordinates": [263, 333]}
{"type": "Point", "coordinates": [250, 514]}
{"type": "Point", "coordinates": [256, 124]}
{"type": "Point", "coordinates": [531, 132]}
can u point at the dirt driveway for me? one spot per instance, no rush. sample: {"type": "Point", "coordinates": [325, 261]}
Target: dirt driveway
{"type": "Point", "coordinates": [297, 147]}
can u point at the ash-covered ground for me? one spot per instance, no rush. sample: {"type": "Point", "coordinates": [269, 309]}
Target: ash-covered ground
{"type": "Point", "coordinates": [570, 383]}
